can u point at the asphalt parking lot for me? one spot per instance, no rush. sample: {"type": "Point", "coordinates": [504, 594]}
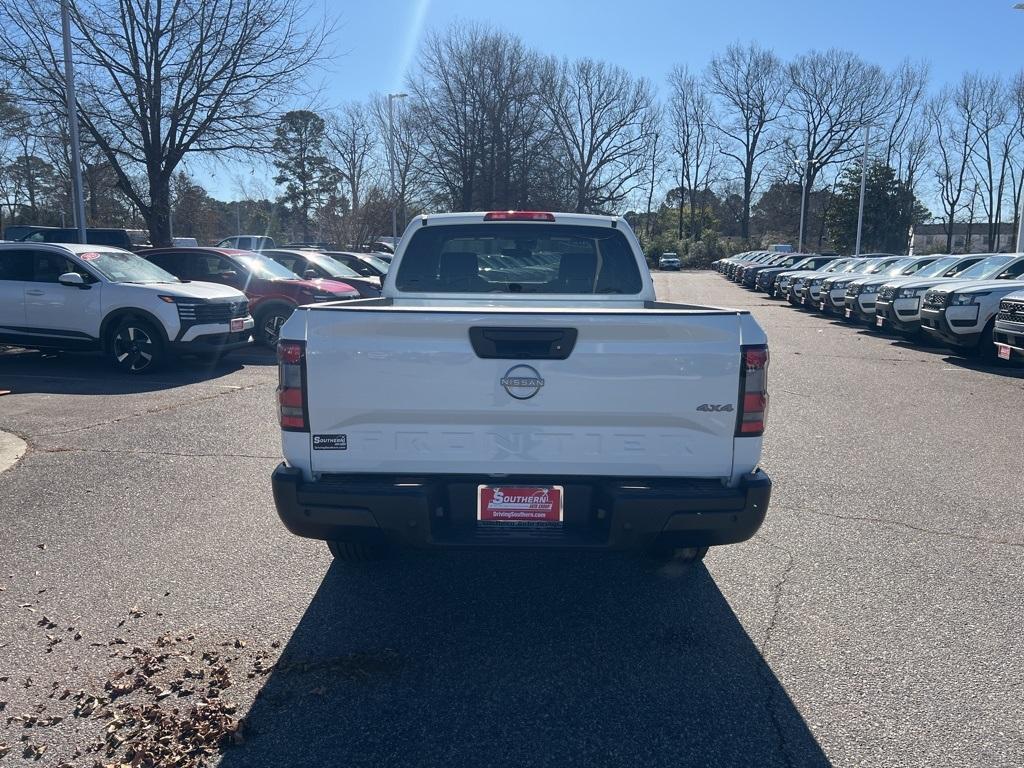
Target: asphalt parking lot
{"type": "Point", "coordinates": [874, 621]}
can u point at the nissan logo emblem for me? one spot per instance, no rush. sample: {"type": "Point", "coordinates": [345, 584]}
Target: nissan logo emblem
{"type": "Point", "coordinates": [522, 382]}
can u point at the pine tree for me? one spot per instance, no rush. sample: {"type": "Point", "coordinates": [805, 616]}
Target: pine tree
{"type": "Point", "coordinates": [307, 175]}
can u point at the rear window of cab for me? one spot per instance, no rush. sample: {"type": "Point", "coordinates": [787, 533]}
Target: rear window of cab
{"type": "Point", "coordinates": [518, 258]}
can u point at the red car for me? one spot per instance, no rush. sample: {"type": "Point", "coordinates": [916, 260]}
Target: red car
{"type": "Point", "coordinates": [273, 291]}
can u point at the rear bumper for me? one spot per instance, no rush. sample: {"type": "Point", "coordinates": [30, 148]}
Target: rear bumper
{"type": "Point", "coordinates": [599, 513]}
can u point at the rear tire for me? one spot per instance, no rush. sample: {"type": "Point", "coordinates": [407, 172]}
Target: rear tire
{"type": "Point", "coordinates": [357, 552]}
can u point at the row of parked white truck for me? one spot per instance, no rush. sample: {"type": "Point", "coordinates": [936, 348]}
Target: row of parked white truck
{"type": "Point", "coordinates": [972, 303]}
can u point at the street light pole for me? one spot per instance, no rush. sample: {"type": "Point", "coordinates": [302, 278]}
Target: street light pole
{"type": "Point", "coordinates": [77, 198]}
{"type": "Point", "coordinates": [863, 184]}
{"type": "Point", "coordinates": [1020, 202]}
{"type": "Point", "coordinates": [391, 162]}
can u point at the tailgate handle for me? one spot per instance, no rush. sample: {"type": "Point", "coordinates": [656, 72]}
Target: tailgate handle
{"type": "Point", "coordinates": [523, 343]}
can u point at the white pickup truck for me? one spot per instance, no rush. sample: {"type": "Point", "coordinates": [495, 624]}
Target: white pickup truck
{"type": "Point", "coordinates": [518, 384]}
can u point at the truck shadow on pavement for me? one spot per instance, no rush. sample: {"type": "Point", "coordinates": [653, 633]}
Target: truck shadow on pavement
{"type": "Point", "coordinates": [65, 373]}
{"type": "Point", "coordinates": [557, 659]}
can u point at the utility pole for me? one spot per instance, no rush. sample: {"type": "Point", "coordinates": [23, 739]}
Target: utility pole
{"type": "Point", "coordinates": [391, 162]}
{"type": "Point", "coordinates": [1020, 203]}
{"type": "Point", "coordinates": [804, 173]}
{"type": "Point", "coordinates": [77, 198]}
{"type": "Point", "coordinates": [863, 184]}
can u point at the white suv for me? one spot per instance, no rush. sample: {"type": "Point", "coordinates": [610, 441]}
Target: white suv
{"type": "Point", "coordinates": [88, 297]}
{"type": "Point", "coordinates": [963, 313]}
{"type": "Point", "coordinates": [668, 261]}
{"type": "Point", "coordinates": [1009, 330]}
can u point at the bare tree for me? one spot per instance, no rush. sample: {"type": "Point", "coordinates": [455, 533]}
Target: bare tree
{"type": "Point", "coordinates": [412, 158]}
{"type": "Point", "coordinates": [992, 142]}
{"type": "Point", "coordinates": [352, 139]}
{"type": "Point", "coordinates": [900, 122]}
{"type": "Point", "coordinates": [1017, 131]}
{"type": "Point", "coordinates": [833, 95]}
{"type": "Point", "coordinates": [605, 122]}
{"type": "Point", "coordinates": [158, 81]}
{"type": "Point", "coordinates": [751, 85]}
{"type": "Point", "coordinates": [476, 96]}
{"type": "Point", "coordinates": [950, 115]}
{"type": "Point", "coordinates": [691, 122]}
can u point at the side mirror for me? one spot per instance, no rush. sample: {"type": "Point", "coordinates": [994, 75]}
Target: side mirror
{"type": "Point", "coordinates": [310, 274]}
{"type": "Point", "coordinates": [72, 279]}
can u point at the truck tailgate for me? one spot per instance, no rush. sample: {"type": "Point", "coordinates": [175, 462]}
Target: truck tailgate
{"type": "Point", "coordinates": [642, 393]}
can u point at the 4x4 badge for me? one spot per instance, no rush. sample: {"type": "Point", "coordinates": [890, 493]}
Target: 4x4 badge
{"type": "Point", "coordinates": [715, 407]}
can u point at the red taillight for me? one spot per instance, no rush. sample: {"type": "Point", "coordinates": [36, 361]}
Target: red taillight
{"type": "Point", "coordinates": [753, 391]}
{"type": "Point", "coordinates": [519, 216]}
{"type": "Point", "coordinates": [291, 386]}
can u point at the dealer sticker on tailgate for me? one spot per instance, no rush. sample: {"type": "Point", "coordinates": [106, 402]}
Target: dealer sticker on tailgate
{"type": "Point", "coordinates": [330, 442]}
{"type": "Point", "coordinates": [519, 504]}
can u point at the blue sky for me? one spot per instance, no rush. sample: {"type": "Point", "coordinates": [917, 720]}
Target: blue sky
{"type": "Point", "coordinates": [377, 39]}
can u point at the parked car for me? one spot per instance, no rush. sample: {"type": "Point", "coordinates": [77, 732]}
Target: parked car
{"type": "Point", "coordinates": [742, 269]}
{"type": "Point", "coordinates": [273, 290]}
{"type": "Point", "coordinates": [898, 305]}
{"type": "Point", "coordinates": [383, 244]}
{"type": "Point", "coordinates": [962, 314]}
{"type": "Point", "coordinates": [184, 242]}
{"type": "Point", "coordinates": [809, 284]}
{"type": "Point", "coordinates": [247, 242]}
{"type": "Point", "coordinates": [79, 297]}
{"type": "Point", "coordinates": [314, 265]}
{"type": "Point", "coordinates": [669, 261]}
{"type": "Point", "coordinates": [1009, 329]}
{"type": "Point", "coordinates": [754, 257]}
{"type": "Point", "coordinates": [832, 298]}
{"type": "Point", "coordinates": [365, 264]}
{"type": "Point", "coordinates": [722, 265]}
{"type": "Point", "coordinates": [126, 239]}
{"type": "Point", "coordinates": [763, 278]}
{"type": "Point", "coordinates": [783, 261]}
{"type": "Point", "coordinates": [762, 257]}
{"type": "Point", "coordinates": [778, 286]}
{"type": "Point", "coordinates": [862, 292]}
{"type": "Point", "coordinates": [316, 246]}
{"type": "Point", "coordinates": [572, 425]}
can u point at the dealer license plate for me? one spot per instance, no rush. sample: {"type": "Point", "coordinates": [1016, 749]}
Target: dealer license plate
{"type": "Point", "coordinates": [237, 324]}
{"type": "Point", "coordinates": [1004, 351]}
{"type": "Point", "coordinates": [849, 312]}
{"type": "Point", "coordinates": [879, 321]}
{"type": "Point", "coordinates": [519, 504]}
